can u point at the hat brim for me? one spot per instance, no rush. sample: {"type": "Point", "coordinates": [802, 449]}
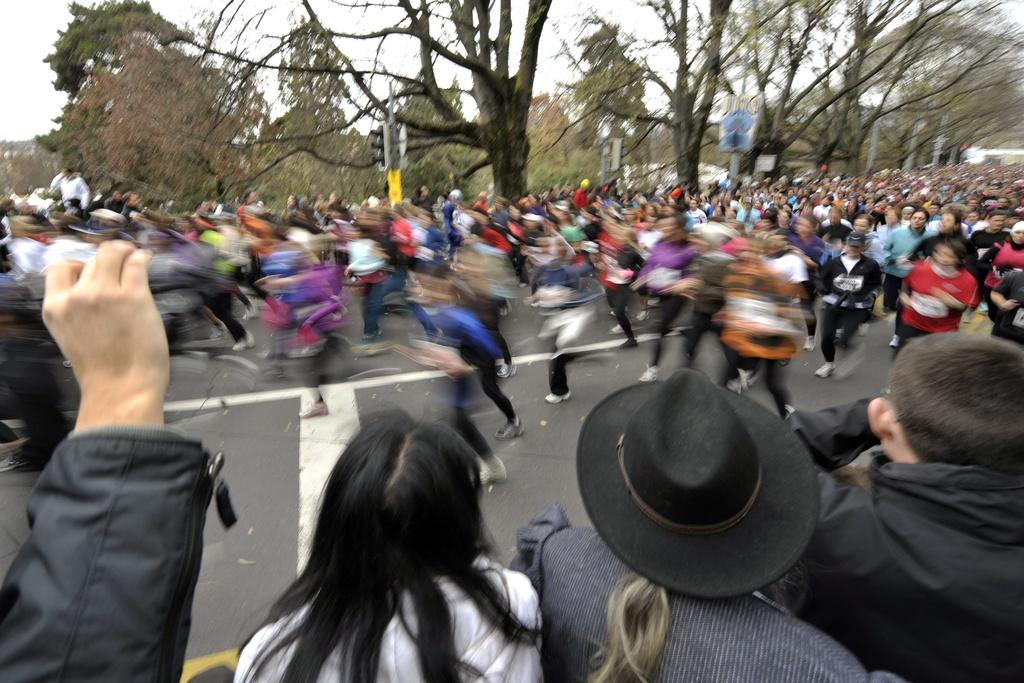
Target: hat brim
{"type": "Point", "coordinates": [757, 551]}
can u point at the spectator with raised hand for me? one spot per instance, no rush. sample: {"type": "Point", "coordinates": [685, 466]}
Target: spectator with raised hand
{"type": "Point", "coordinates": [102, 588]}
{"type": "Point", "coordinates": [916, 563]}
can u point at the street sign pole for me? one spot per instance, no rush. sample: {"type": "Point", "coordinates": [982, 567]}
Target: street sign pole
{"type": "Point", "coordinates": [396, 145]}
{"type": "Point", "coordinates": [736, 131]}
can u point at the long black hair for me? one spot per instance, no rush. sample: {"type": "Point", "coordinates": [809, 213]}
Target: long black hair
{"type": "Point", "coordinates": [400, 510]}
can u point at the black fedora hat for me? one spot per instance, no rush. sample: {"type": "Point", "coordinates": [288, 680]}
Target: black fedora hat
{"type": "Point", "coordinates": [698, 489]}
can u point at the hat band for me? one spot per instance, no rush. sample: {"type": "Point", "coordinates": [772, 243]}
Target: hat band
{"type": "Point", "coordinates": [675, 527]}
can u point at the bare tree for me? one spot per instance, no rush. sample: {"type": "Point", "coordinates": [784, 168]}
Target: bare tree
{"type": "Point", "coordinates": [471, 37]}
{"type": "Point", "coordinates": [835, 64]}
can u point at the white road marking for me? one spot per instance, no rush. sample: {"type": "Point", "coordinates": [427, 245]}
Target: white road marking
{"type": "Point", "coordinates": [321, 441]}
{"type": "Point", "coordinates": [227, 401]}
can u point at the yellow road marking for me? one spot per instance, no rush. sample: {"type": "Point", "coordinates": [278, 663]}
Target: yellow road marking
{"type": "Point", "coordinates": [198, 665]}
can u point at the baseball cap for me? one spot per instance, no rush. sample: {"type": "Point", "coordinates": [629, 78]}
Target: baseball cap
{"type": "Point", "coordinates": [856, 239]}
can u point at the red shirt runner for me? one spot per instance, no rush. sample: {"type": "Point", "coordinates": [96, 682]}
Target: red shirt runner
{"type": "Point", "coordinates": [929, 313]}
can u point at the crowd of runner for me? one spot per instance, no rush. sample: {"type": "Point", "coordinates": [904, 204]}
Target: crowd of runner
{"type": "Point", "coordinates": [770, 269]}
{"type": "Point", "coordinates": [716, 553]}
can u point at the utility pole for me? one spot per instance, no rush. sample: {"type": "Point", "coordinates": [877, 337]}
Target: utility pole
{"type": "Point", "coordinates": [395, 145]}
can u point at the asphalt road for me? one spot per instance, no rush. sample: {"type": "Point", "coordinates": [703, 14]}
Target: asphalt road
{"type": "Point", "coordinates": [276, 463]}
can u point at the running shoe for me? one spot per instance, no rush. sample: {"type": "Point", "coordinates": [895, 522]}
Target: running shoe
{"type": "Point", "coordinates": [643, 315]}
{"type": "Point", "coordinates": [556, 398]}
{"type": "Point", "coordinates": [246, 342]}
{"type": "Point", "coordinates": [809, 344]}
{"type": "Point", "coordinates": [506, 370]}
{"type": "Point", "coordinates": [511, 430]}
{"type": "Point", "coordinates": [826, 370]}
{"type": "Point", "coordinates": [317, 409]}
{"type": "Point", "coordinates": [616, 330]}
{"type": "Point", "coordinates": [650, 374]}
{"type": "Point", "coordinates": [16, 462]}
{"type": "Point", "coordinates": [895, 341]}
{"type": "Point", "coordinates": [628, 344]}
{"type": "Point", "coordinates": [492, 470]}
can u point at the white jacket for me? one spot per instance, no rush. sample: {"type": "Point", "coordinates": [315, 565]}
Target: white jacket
{"type": "Point", "coordinates": [477, 643]}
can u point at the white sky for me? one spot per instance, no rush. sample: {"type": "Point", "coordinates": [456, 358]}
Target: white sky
{"type": "Point", "coordinates": [31, 29]}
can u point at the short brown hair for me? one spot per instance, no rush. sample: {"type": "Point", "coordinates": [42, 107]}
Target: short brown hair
{"type": "Point", "coordinates": [958, 398]}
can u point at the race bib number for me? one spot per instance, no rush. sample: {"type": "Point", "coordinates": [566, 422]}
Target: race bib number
{"type": "Point", "coordinates": [616, 275]}
{"type": "Point", "coordinates": [848, 283]}
{"type": "Point", "coordinates": [761, 314]}
{"type": "Point", "coordinates": [663, 278]}
{"type": "Point", "coordinates": [928, 306]}
{"type": "Point", "coordinates": [1018, 318]}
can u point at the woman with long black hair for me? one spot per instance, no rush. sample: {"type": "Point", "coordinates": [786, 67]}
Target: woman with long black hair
{"type": "Point", "coordinates": [397, 586]}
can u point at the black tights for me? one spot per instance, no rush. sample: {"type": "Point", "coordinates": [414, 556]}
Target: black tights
{"type": "Point", "coordinates": [618, 299]}
{"type": "Point", "coordinates": [774, 378]}
{"type": "Point", "coordinates": [468, 431]}
{"type": "Point", "coordinates": [489, 383]}
{"type": "Point", "coordinates": [700, 323]}
{"type": "Point", "coordinates": [491, 318]}
{"type": "Point", "coordinates": [220, 306]}
{"type": "Point", "coordinates": [668, 311]}
{"type": "Point", "coordinates": [808, 306]}
{"type": "Point", "coordinates": [846, 321]}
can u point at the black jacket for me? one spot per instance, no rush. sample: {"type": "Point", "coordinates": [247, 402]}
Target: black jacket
{"type": "Point", "coordinates": [102, 589]}
{"type": "Point", "coordinates": [859, 287]}
{"type": "Point", "coordinates": [921, 574]}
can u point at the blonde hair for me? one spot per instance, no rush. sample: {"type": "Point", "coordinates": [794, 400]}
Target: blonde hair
{"type": "Point", "coordinates": [637, 625]}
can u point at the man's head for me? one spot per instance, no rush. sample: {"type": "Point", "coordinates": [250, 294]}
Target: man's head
{"type": "Point", "coordinates": [855, 245]}
{"type": "Point", "coordinates": [863, 223]}
{"type": "Point", "coordinates": [996, 220]}
{"type": "Point", "coordinates": [952, 398]}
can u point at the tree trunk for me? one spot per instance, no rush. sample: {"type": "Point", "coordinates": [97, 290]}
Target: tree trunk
{"type": "Point", "coordinates": [687, 153]}
{"type": "Point", "coordinates": [856, 144]}
{"type": "Point", "coordinates": [503, 134]}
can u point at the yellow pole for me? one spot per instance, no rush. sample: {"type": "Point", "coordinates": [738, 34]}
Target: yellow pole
{"type": "Point", "coordinates": [395, 186]}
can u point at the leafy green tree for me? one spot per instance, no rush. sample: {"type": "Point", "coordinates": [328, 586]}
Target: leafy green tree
{"type": "Point", "coordinates": [91, 44]}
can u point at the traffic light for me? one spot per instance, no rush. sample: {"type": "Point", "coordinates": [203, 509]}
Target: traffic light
{"type": "Point", "coordinates": [379, 143]}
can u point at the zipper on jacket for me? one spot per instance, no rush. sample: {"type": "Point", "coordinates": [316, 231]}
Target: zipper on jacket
{"type": "Point", "coordinates": [200, 500]}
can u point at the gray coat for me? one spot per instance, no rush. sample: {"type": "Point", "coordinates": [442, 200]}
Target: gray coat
{"type": "Point", "coordinates": [741, 639]}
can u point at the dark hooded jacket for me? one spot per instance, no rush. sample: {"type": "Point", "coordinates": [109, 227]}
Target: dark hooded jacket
{"type": "Point", "coordinates": [918, 572]}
